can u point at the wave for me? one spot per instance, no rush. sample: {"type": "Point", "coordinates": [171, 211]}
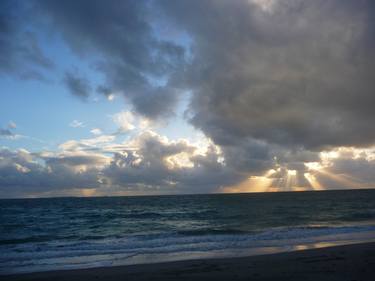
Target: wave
{"type": "Point", "coordinates": [32, 256]}
{"type": "Point", "coordinates": [213, 231]}
{"type": "Point", "coordinates": [359, 216]}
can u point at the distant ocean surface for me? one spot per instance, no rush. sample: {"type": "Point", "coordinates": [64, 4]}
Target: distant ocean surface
{"type": "Point", "coordinates": [66, 233]}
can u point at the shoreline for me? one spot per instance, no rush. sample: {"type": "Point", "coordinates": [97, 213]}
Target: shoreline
{"type": "Point", "coordinates": [345, 262]}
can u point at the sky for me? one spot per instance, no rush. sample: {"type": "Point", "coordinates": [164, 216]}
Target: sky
{"type": "Point", "coordinates": [102, 98]}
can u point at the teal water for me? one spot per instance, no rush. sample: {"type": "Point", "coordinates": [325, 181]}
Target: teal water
{"type": "Point", "coordinates": [59, 233]}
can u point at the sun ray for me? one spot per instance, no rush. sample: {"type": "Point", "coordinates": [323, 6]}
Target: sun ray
{"type": "Point", "coordinates": [291, 180]}
{"type": "Point", "coordinates": [252, 184]}
{"type": "Point", "coordinates": [314, 183]}
{"type": "Point", "coordinates": [341, 178]}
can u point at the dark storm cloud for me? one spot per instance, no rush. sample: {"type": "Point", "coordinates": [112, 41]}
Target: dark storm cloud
{"type": "Point", "coordinates": [297, 74]}
{"type": "Point", "coordinates": [77, 85]}
{"type": "Point", "coordinates": [300, 74]}
{"type": "Point", "coordinates": [119, 35]}
{"type": "Point", "coordinates": [22, 173]}
{"type": "Point", "coordinates": [103, 90]}
{"type": "Point", "coordinates": [21, 54]}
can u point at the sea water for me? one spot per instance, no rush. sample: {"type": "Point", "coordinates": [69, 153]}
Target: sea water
{"type": "Point", "coordinates": [67, 233]}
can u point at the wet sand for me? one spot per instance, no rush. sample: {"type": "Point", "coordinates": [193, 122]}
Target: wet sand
{"type": "Point", "coordinates": [348, 262]}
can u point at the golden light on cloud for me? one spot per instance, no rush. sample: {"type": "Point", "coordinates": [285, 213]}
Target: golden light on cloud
{"type": "Point", "coordinates": [269, 173]}
{"type": "Point", "coordinates": [315, 166]}
{"type": "Point", "coordinates": [266, 183]}
{"type": "Point", "coordinates": [329, 154]}
{"type": "Point", "coordinates": [179, 160]}
{"type": "Point", "coordinates": [318, 175]}
{"type": "Point", "coordinates": [292, 172]}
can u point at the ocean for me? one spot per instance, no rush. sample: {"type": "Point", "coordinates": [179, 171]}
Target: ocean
{"type": "Point", "coordinates": [66, 233]}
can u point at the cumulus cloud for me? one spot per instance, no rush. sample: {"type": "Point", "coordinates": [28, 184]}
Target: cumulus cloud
{"type": "Point", "coordinates": [148, 162]}
{"type": "Point", "coordinates": [175, 166]}
{"type": "Point", "coordinates": [23, 173]}
{"type": "Point", "coordinates": [151, 163]}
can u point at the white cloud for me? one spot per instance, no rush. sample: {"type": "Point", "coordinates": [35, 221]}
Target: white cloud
{"type": "Point", "coordinates": [8, 133]}
{"type": "Point", "coordinates": [111, 97]}
{"type": "Point", "coordinates": [87, 144]}
{"type": "Point", "coordinates": [124, 120]}
{"type": "Point", "coordinates": [76, 124]}
{"type": "Point", "coordinates": [129, 121]}
{"type": "Point", "coordinates": [12, 125]}
{"type": "Point", "coordinates": [96, 131]}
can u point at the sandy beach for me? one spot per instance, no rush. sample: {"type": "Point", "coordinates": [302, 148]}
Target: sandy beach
{"type": "Point", "coordinates": [348, 262]}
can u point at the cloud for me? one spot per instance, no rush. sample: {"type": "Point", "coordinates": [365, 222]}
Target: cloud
{"type": "Point", "coordinates": [81, 160]}
{"type": "Point", "coordinates": [170, 166]}
{"type": "Point", "coordinates": [96, 131]}
{"type": "Point", "coordinates": [128, 50]}
{"type": "Point", "coordinates": [151, 163]}
{"type": "Point", "coordinates": [21, 54]}
{"type": "Point", "coordinates": [299, 76]}
{"type": "Point", "coordinates": [107, 92]}
{"type": "Point", "coordinates": [346, 168]}
{"type": "Point", "coordinates": [12, 125]}
{"type": "Point", "coordinates": [87, 144]}
{"type": "Point", "coordinates": [124, 120]}
{"type": "Point", "coordinates": [128, 121]}
{"type": "Point", "coordinates": [24, 174]}
{"type": "Point", "coordinates": [77, 85]}
{"type": "Point", "coordinates": [276, 86]}
{"type": "Point", "coordinates": [8, 132]}
{"type": "Point", "coordinates": [293, 75]}
{"type": "Point", "coordinates": [76, 124]}
{"type": "Point", "coordinates": [146, 162]}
